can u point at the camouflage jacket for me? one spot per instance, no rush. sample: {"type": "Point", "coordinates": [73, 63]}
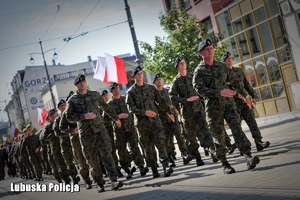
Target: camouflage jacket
{"type": "Point", "coordinates": [80, 104]}
{"type": "Point", "coordinates": [120, 107]}
{"type": "Point", "coordinates": [164, 93]}
{"type": "Point", "coordinates": [31, 143]}
{"type": "Point", "coordinates": [57, 131]}
{"type": "Point", "coordinates": [208, 81]}
{"type": "Point", "coordinates": [240, 76]}
{"type": "Point", "coordinates": [181, 89]}
{"type": "Point", "coordinates": [142, 98]}
{"type": "Point", "coordinates": [66, 127]}
{"type": "Point", "coordinates": [49, 135]}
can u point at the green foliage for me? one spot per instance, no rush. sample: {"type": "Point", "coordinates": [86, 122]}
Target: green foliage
{"type": "Point", "coordinates": [185, 33]}
{"type": "Point", "coordinates": [25, 123]}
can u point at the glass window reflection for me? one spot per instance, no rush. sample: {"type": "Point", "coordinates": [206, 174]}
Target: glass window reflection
{"type": "Point", "coordinates": [260, 14]}
{"type": "Point", "coordinates": [266, 38]}
{"type": "Point", "coordinates": [278, 31]}
{"type": "Point", "coordinates": [261, 71]}
{"type": "Point", "coordinates": [248, 19]}
{"type": "Point", "coordinates": [232, 48]}
{"type": "Point", "coordinates": [278, 90]}
{"type": "Point", "coordinates": [250, 73]}
{"type": "Point", "coordinates": [243, 46]}
{"type": "Point", "coordinates": [284, 55]}
{"type": "Point", "coordinates": [238, 25]}
{"type": "Point", "coordinates": [266, 93]}
{"type": "Point", "coordinates": [272, 64]}
{"type": "Point", "coordinates": [254, 42]}
{"type": "Point", "coordinates": [224, 24]}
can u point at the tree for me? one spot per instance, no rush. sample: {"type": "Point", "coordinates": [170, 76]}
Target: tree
{"type": "Point", "coordinates": [185, 33]}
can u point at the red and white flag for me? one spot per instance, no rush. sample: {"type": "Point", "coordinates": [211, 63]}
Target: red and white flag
{"type": "Point", "coordinates": [42, 114]}
{"type": "Point", "coordinates": [5, 139]}
{"type": "Point", "coordinates": [14, 132]}
{"type": "Point", "coordinates": [110, 69]}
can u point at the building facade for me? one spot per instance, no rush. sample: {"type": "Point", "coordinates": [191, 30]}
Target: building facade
{"type": "Point", "coordinates": [256, 35]}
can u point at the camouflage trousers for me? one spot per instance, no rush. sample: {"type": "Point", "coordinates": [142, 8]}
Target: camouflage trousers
{"type": "Point", "coordinates": [150, 134]}
{"type": "Point", "coordinates": [36, 161]}
{"type": "Point", "coordinates": [216, 116]}
{"type": "Point", "coordinates": [122, 139]}
{"type": "Point", "coordinates": [196, 126]}
{"type": "Point", "coordinates": [78, 154]}
{"type": "Point", "coordinates": [172, 129]}
{"type": "Point", "coordinates": [67, 154]}
{"type": "Point", "coordinates": [28, 166]}
{"type": "Point", "coordinates": [110, 132]}
{"type": "Point", "coordinates": [90, 143]}
{"type": "Point", "coordinates": [58, 159]}
{"type": "Point", "coordinates": [2, 172]}
{"type": "Point", "coordinates": [45, 160]}
{"type": "Point", "coordinates": [247, 114]}
{"type": "Point", "coordinates": [53, 165]}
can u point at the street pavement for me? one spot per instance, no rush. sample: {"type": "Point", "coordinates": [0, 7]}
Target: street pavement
{"type": "Point", "coordinates": [277, 176]}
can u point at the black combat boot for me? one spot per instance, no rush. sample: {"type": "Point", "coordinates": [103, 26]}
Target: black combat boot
{"type": "Point", "coordinates": [155, 172]}
{"type": "Point", "coordinates": [214, 157]}
{"type": "Point", "coordinates": [116, 185]}
{"type": "Point", "coordinates": [100, 188]}
{"type": "Point", "coordinates": [76, 179]}
{"type": "Point", "coordinates": [187, 159]}
{"type": "Point", "coordinates": [227, 168]}
{"type": "Point", "coordinates": [143, 170]}
{"type": "Point", "coordinates": [206, 152]}
{"type": "Point", "coordinates": [262, 145]}
{"type": "Point", "coordinates": [231, 148]}
{"type": "Point", "coordinates": [172, 162]}
{"type": "Point", "coordinates": [199, 162]}
{"type": "Point", "coordinates": [251, 161]}
{"type": "Point", "coordinates": [167, 170]}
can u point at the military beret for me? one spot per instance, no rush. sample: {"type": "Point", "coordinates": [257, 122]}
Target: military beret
{"type": "Point", "coordinates": [136, 70]}
{"type": "Point", "coordinates": [28, 125]}
{"type": "Point", "coordinates": [113, 86]}
{"type": "Point", "coordinates": [225, 55]}
{"type": "Point", "coordinates": [155, 77]}
{"type": "Point", "coordinates": [204, 44]}
{"type": "Point", "coordinates": [79, 78]}
{"type": "Point", "coordinates": [61, 102]}
{"type": "Point", "coordinates": [178, 59]}
{"type": "Point", "coordinates": [51, 112]}
{"type": "Point", "coordinates": [103, 92]}
{"type": "Point", "coordinates": [69, 95]}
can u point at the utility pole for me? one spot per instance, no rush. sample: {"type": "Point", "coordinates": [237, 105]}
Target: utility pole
{"type": "Point", "coordinates": [138, 60]}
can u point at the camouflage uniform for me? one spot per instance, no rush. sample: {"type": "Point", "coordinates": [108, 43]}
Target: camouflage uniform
{"type": "Point", "coordinates": [2, 172]}
{"type": "Point", "coordinates": [109, 127]}
{"type": "Point", "coordinates": [208, 81]}
{"type": "Point", "coordinates": [193, 114]}
{"type": "Point", "coordinates": [142, 98]}
{"type": "Point", "coordinates": [66, 149]}
{"type": "Point", "coordinates": [54, 151]}
{"type": "Point", "coordinates": [25, 160]}
{"type": "Point", "coordinates": [31, 143]}
{"type": "Point", "coordinates": [127, 133]}
{"type": "Point", "coordinates": [11, 154]}
{"type": "Point", "coordinates": [92, 133]}
{"type": "Point", "coordinates": [172, 128]}
{"type": "Point", "coordinates": [242, 108]}
{"type": "Point", "coordinates": [68, 128]}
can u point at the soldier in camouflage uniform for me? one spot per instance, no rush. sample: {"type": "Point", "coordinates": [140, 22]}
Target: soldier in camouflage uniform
{"type": "Point", "coordinates": [65, 144]}
{"type": "Point", "coordinates": [210, 80]}
{"type": "Point", "coordinates": [24, 157]}
{"type": "Point", "coordinates": [141, 99]}
{"type": "Point", "coordinates": [83, 108]}
{"type": "Point", "coordinates": [11, 156]}
{"type": "Point", "coordinates": [126, 134]}
{"type": "Point", "coordinates": [192, 111]}
{"type": "Point", "coordinates": [171, 128]}
{"type": "Point", "coordinates": [72, 130]}
{"type": "Point", "coordinates": [60, 170]}
{"type": "Point", "coordinates": [2, 172]}
{"type": "Point", "coordinates": [244, 111]}
{"type": "Point", "coordinates": [110, 131]}
{"type": "Point", "coordinates": [43, 151]}
{"type": "Point", "coordinates": [32, 144]}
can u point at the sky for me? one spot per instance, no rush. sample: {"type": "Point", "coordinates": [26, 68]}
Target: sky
{"type": "Point", "coordinates": [24, 23]}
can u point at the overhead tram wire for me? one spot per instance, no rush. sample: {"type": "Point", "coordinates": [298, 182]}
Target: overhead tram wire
{"type": "Point", "coordinates": [63, 37]}
{"type": "Point", "coordinates": [80, 25]}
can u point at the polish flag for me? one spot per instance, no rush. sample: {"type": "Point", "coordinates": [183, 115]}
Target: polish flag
{"type": "Point", "coordinates": [42, 114]}
{"type": "Point", "coordinates": [5, 139]}
{"type": "Point", "coordinates": [110, 69]}
{"type": "Point", "coordinates": [14, 132]}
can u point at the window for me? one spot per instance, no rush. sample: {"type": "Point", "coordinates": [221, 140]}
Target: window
{"type": "Point", "coordinates": [261, 70]}
{"type": "Point", "coordinates": [232, 48]}
{"type": "Point", "coordinates": [254, 42]}
{"type": "Point", "coordinates": [224, 24]}
{"type": "Point", "coordinates": [238, 26]}
{"type": "Point", "coordinates": [185, 4]}
{"type": "Point", "coordinates": [273, 68]}
{"type": "Point", "coordinates": [171, 3]}
{"type": "Point", "coordinates": [207, 24]}
{"type": "Point", "coordinates": [266, 38]}
{"type": "Point", "coordinates": [279, 38]}
{"type": "Point", "coordinates": [250, 73]}
{"type": "Point", "coordinates": [260, 14]}
{"type": "Point", "coordinates": [266, 93]}
{"type": "Point", "coordinates": [272, 8]}
{"type": "Point", "coordinates": [248, 19]}
{"type": "Point", "coordinates": [243, 46]}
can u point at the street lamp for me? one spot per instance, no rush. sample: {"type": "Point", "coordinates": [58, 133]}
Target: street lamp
{"type": "Point", "coordinates": [45, 65]}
